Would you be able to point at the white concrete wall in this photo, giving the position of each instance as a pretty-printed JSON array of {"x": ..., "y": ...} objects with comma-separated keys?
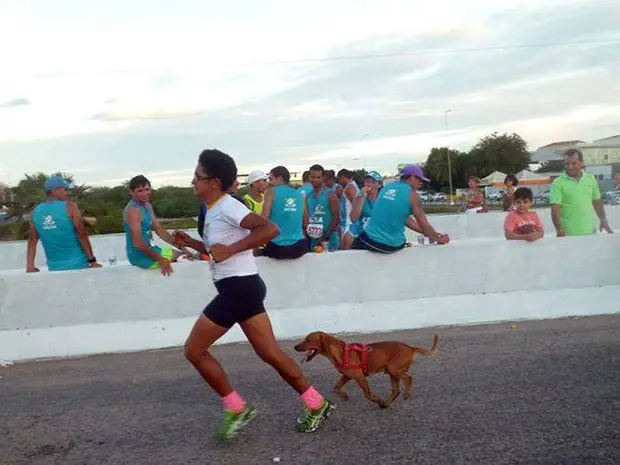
[
  {"x": 463, "y": 226},
  {"x": 123, "y": 308}
]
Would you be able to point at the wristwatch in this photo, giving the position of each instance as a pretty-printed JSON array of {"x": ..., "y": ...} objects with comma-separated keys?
[{"x": 92, "y": 260}]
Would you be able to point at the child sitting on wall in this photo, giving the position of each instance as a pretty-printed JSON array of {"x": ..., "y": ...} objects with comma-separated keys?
[{"x": 521, "y": 224}]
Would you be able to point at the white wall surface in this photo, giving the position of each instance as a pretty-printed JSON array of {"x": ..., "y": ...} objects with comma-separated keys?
[
  {"x": 463, "y": 226},
  {"x": 123, "y": 308}
]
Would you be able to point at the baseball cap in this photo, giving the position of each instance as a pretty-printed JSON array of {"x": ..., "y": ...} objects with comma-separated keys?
[
  {"x": 257, "y": 175},
  {"x": 414, "y": 170},
  {"x": 374, "y": 175},
  {"x": 56, "y": 182}
]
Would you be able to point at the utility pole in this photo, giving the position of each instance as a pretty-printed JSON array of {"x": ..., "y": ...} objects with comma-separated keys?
[{"x": 445, "y": 114}]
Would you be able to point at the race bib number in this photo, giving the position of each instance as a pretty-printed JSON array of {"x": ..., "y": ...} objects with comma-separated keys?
[{"x": 315, "y": 231}]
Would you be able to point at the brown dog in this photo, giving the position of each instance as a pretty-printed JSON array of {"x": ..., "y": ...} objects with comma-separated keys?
[{"x": 358, "y": 361}]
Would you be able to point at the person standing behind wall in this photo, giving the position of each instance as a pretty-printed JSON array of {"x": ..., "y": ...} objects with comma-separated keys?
[
  {"x": 285, "y": 206},
  {"x": 60, "y": 226},
  {"x": 574, "y": 198}
]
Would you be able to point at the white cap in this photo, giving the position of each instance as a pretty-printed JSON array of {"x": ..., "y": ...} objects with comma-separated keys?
[{"x": 257, "y": 175}]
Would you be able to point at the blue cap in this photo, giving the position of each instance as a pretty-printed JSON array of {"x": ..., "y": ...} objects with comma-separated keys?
[
  {"x": 56, "y": 182},
  {"x": 374, "y": 175},
  {"x": 414, "y": 170}
]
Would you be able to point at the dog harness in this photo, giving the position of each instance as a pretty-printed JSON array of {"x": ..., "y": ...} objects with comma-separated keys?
[{"x": 362, "y": 350}]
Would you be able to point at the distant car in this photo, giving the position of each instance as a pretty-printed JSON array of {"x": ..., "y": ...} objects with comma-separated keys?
[
  {"x": 440, "y": 197},
  {"x": 425, "y": 196},
  {"x": 612, "y": 197}
]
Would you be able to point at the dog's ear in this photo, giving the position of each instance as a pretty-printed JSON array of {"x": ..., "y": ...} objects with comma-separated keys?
[{"x": 331, "y": 348}]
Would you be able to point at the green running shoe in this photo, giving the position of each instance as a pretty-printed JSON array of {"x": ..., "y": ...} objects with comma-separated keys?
[
  {"x": 235, "y": 422},
  {"x": 315, "y": 418}
]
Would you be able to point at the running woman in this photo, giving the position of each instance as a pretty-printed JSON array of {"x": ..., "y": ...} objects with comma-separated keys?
[{"x": 230, "y": 234}]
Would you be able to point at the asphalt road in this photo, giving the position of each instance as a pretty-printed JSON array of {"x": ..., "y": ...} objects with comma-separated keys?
[{"x": 544, "y": 392}]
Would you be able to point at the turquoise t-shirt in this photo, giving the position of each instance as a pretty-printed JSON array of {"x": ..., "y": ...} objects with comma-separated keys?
[
  {"x": 287, "y": 212},
  {"x": 58, "y": 237},
  {"x": 135, "y": 256},
  {"x": 389, "y": 215}
]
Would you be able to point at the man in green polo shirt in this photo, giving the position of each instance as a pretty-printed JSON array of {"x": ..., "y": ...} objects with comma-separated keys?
[{"x": 575, "y": 196}]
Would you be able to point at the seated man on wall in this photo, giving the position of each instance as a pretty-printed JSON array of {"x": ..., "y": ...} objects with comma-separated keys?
[
  {"x": 139, "y": 221},
  {"x": 255, "y": 199},
  {"x": 397, "y": 201},
  {"x": 323, "y": 212},
  {"x": 60, "y": 226},
  {"x": 285, "y": 206}
]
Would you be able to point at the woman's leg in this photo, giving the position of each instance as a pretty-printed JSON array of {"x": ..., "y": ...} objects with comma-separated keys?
[
  {"x": 204, "y": 333},
  {"x": 237, "y": 413},
  {"x": 259, "y": 332}
]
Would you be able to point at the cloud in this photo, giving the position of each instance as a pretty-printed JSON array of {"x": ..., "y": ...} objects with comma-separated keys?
[
  {"x": 18, "y": 102},
  {"x": 377, "y": 96}
]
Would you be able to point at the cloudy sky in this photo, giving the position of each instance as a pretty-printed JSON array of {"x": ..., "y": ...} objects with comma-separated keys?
[{"x": 108, "y": 89}]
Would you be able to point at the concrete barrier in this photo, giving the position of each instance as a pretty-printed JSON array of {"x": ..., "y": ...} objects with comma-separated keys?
[
  {"x": 122, "y": 308},
  {"x": 462, "y": 226}
]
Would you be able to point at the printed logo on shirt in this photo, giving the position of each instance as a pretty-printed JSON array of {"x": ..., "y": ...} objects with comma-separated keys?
[
  {"x": 49, "y": 222},
  {"x": 319, "y": 210},
  {"x": 290, "y": 204},
  {"x": 390, "y": 194}
]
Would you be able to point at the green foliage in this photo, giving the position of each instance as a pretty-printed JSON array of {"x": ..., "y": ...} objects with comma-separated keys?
[
  {"x": 437, "y": 165},
  {"x": 496, "y": 152},
  {"x": 103, "y": 204}
]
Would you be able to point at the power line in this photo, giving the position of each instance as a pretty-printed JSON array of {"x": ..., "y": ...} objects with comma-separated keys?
[{"x": 375, "y": 56}]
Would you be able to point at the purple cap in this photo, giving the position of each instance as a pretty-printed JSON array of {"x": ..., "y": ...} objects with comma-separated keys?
[{"x": 414, "y": 170}]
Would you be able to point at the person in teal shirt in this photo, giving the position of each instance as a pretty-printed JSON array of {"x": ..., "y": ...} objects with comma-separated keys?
[
  {"x": 323, "y": 212},
  {"x": 306, "y": 186},
  {"x": 139, "y": 222},
  {"x": 285, "y": 206},
  {"x": 391, "y": 214},
  {"x": 59, "y": 225},
  {"x": 364, "y": 203}
]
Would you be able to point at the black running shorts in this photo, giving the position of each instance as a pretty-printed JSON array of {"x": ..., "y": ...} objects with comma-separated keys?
[
  {"x": 239, "y": 298},
  {"x": 283, "y": 252},
  {"x": 363, "y": 242}
]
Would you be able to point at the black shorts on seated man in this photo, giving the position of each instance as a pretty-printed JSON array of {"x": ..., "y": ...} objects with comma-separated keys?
[{"x": 285, "y": 207}]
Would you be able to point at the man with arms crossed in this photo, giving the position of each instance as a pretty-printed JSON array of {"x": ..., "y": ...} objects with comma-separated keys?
[{"x": 573, "y": 198}]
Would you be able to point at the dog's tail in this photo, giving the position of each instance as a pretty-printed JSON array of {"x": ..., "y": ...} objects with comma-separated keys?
[{"x": 428, "y": 352}]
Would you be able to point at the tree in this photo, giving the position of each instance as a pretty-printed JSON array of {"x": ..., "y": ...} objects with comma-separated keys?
[
  {"x": 436, "y": 167},
  {"x": 500, "y": 152}
]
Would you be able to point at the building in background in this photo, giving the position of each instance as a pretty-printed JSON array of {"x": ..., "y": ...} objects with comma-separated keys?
[{"x": 598, "y": 152}]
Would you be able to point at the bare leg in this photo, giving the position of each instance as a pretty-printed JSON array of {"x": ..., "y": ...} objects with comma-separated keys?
[
  {"x": 203, "y": 335},
  {"x": 340, "y": 384},
  {"x": 347, "y": 241},
  {"x": 259, "y": 332},
  {"x": 371, "y": 396}
]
